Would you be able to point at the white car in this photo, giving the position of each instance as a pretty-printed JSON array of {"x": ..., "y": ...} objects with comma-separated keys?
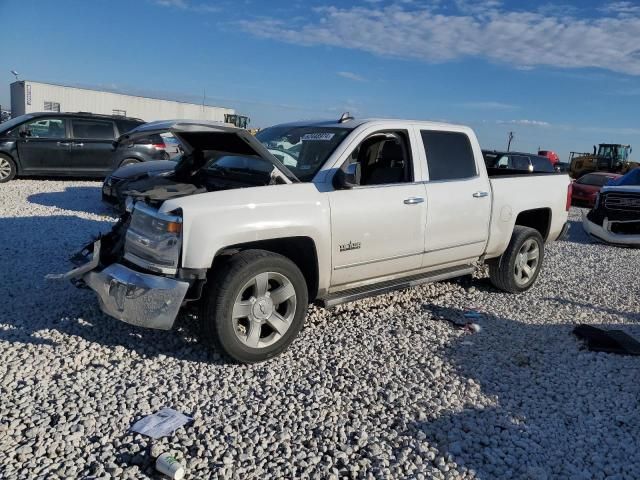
[
  {"x": 615, "y": 218},
  {"x": 369, "y": 206}
]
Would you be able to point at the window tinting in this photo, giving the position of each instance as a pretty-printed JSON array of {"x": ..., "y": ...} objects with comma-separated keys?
[
  {"x": 125, "y": 126},
  {"x": 542, "y": 164},
  {"x": 520, "y": 162},
  {"x": 92, "y": 129},
  {"x": 46, "y": 128},
  {"x": 449, "y": 155}
]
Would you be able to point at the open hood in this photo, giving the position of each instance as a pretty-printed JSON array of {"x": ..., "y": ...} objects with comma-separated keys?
[{"x": 199, "y": 135}]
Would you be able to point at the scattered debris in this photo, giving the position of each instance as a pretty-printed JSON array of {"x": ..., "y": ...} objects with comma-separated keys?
[
  {"x": 170, "y": 466},
  {"x": 161, "y": 423},
  {"x": 465, "y": 320},
  {"x": 609, "y": 341}
]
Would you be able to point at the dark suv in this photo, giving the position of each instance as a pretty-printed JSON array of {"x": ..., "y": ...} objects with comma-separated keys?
[
  {"x": 522, "y": 162},
  {"x": 65, "y": 144}
]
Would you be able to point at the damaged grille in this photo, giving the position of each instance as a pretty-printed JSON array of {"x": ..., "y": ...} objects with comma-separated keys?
[{"x": 627, "y": 202}]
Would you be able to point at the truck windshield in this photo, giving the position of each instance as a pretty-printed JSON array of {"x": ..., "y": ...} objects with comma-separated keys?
[{"x": 302, "y": 149}]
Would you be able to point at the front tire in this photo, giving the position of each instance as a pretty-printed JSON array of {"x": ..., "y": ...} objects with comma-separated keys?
[
  {"x": 7, "y": 169},
  {"x": 254, "y": 306},
  {"x": 519, "y": 266}
]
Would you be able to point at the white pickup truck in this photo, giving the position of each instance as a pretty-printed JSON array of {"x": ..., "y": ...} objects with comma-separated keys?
[{"x": 254, "y": 229}]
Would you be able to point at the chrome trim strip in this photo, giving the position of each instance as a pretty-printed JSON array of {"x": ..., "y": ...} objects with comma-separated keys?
[
  {"x": 455, "y": 246},
  {"x": 367, "y": 262},
  {"x": 397, "y": 257}
]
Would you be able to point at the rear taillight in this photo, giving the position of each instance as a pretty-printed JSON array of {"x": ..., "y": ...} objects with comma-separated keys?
[
  {"x": 158, "y": 146},
  {"x": 569, "y": 193}
]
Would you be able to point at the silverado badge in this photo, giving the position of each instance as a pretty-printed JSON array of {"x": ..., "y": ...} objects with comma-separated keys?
[{"x": 345, "y": 247}]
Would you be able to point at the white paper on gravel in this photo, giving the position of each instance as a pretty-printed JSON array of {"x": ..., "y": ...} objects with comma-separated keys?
[{"x": 161, "y": 424}]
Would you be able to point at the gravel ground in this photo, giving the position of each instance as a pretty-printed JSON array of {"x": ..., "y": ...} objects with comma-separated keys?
[{"x": 383, "y": 388}]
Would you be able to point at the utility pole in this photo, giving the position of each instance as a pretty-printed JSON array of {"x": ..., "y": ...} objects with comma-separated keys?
[{"x": 510, "y": 139}]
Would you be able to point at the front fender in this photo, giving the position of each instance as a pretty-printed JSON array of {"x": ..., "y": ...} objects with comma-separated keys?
[{"x": 215, "y": 220}]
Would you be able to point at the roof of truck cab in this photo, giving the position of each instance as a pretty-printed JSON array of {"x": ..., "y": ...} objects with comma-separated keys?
[{"x": 356, "y": 122}]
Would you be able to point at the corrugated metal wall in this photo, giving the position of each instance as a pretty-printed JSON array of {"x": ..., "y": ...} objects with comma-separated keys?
[{"x": 71, "y": 99}]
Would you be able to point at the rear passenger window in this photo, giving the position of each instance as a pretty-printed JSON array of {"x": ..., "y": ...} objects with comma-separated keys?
[
  {"x": 449, "y": 155},
  {"x": 520, "y": 162},
  {"x": 542, "y": 164},
  {"x": 92, "y": 129}
]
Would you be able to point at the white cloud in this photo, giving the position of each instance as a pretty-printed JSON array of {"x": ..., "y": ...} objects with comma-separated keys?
[
  {"x": 351, "y": 76},
  {"x": 525, "y": 123},
  {"x": 622, "y": 8},
  {"x": 522, "y": 39},
  {"x": 186, "y": 5},
  {"x": 488, "y": 106}
]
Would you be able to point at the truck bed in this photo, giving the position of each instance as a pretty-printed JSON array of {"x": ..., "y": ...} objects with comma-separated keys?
[
  {"x": 512, "y": 172},
  {"x": 522, "y": 192}
]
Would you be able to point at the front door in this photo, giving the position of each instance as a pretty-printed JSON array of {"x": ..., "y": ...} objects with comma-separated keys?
[
  {"x": 92, "y": 148},
  {"x": 459, "y": 199},
  {"x": 378, "y": 228},
  {"x": 44, "y": 146}
]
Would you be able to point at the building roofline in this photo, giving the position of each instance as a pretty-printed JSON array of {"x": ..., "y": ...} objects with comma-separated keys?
[{"x": 96, "y": 89}]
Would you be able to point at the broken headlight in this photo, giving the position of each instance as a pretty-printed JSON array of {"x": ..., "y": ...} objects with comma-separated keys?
[{"x": 154, "y": 239}]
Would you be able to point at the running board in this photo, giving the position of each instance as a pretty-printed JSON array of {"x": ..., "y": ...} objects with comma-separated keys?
[{"x": 355, "y": 294}]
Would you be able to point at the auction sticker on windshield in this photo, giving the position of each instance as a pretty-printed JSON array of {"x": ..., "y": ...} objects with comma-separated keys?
[{"x": 317, "y": 136}]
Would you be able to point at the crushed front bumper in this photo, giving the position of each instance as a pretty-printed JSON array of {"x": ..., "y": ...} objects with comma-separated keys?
[
  {"x": 137, "y": 298},
  {"x": 603, "y": 233}
]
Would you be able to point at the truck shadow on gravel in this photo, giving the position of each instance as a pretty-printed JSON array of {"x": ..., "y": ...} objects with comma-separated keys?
[
  {"x": 543, "y": 407},
  {"x": 577, "y": 234},
  {"x": 77, "y": 199}
]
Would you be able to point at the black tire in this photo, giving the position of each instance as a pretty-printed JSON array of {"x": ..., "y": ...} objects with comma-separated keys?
[
  {"x": 7, "y": 169},
  {"x": 129, "y": 161},
  {"x": 226, "y": 284},
  {"x": 502, "y": 271}
]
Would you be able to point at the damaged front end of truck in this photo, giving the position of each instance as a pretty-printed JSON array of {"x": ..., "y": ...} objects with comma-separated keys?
[{"x": 134, "y": 269}]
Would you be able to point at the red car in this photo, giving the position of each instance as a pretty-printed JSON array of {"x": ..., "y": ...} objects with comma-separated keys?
[{"x": 587, "y": 187}]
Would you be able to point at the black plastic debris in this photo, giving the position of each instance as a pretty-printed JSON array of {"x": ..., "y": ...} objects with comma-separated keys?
[{"x": 609, "y": 341}]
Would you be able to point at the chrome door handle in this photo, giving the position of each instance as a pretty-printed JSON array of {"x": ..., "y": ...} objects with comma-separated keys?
[
  {"x": 78, "y": 144},
  {"x": 63, "y": 144},
  {"x": 480, "y": 194},
  {"x": 413, "y": 200}
]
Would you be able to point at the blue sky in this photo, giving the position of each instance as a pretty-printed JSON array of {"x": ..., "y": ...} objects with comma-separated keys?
[{"x": 561, "y": 76}]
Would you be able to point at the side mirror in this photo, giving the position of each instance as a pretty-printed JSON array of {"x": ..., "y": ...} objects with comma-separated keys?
[
  {"x": 26, "y": 132},
  {"x": 349, "y": 178}
]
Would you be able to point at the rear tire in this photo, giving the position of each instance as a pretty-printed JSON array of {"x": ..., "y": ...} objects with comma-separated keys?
[
  {"x": 7, "y": 169},
  {"x": 254, "y": 306},
  {"x": 519, "y": 266},
  {"x": 129, "y": 161}
]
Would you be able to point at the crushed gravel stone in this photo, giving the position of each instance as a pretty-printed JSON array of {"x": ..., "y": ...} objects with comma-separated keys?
[{"x": 381, "y": 388}]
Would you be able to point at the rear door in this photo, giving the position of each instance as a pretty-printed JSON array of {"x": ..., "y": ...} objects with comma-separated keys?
[
  {"x": 44, "y": 145},
  {"x": 92, "y": 147},
  {"x": 458, "y": 198}
]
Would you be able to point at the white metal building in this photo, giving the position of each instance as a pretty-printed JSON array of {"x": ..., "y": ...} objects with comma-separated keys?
[{"x": 28, "y": 96}]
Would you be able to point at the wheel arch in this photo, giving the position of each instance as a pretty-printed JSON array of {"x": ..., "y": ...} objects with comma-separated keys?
[
  {"x": 301, "y": 250},
  {"x": 538, "y": 218}
]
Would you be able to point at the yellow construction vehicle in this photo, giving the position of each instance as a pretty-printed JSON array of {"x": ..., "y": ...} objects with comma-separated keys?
[{"x": 608, "y": 157}]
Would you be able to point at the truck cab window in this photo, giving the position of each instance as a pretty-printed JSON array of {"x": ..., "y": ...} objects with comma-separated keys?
[
  {"x": 384, "y": 159},
  {"x": 449, "y": 155}
]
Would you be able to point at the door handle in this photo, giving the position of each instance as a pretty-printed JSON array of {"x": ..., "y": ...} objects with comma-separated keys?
[
  {"x": 78, "y": 144},
  {"x": 63, "y": 144},
  {"x": 480, "y": 194},
  {"x": 413, "y": 200}
]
